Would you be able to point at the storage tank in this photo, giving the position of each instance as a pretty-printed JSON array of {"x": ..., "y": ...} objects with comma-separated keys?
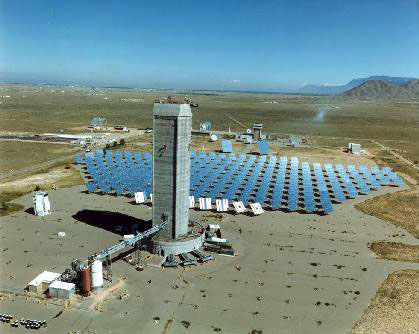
[
  {"x": 97, "y": 274},
  {"x": 213, "y": 138},
  {"x": 86, "y": 281}
]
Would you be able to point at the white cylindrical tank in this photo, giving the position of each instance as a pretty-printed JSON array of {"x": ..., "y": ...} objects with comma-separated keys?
[
  {"x": 213, "y": 137},
  {"x": 97, "y": 274}
]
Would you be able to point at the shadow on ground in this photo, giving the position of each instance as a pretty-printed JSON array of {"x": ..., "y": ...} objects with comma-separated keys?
[
  {"x": 30, "y": 211},
  {"x": 110, "y": 220}
]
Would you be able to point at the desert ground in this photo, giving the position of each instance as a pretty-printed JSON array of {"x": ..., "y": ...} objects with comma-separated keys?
[
  {"x": 294, "y": 273},
  {"x": 327, "y": 121}
]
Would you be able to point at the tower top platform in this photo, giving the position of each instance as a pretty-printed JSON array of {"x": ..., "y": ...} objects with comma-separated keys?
[{"x": 172, "y": 110}]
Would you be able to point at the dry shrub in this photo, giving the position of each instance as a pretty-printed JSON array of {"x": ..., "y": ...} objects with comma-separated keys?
[
  {"x": 395, "y": 251},
  {"x": 394, "y": 308},
  {"x": 400, "y": 208}
]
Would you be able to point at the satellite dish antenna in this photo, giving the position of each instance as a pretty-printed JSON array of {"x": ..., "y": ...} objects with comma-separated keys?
[
  {"x": 205, "y": 126},
  {"x": 249, "y": 131}
]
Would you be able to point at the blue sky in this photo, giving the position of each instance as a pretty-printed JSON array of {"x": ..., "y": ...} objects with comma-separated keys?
[{"x": 214, "y": 44}]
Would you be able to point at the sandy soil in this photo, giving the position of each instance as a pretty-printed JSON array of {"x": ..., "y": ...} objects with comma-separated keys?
[
  {"x": 102, "y": 295},
  {"x": 299, "y": 273},
  {"x": 395, "y": 308},
  {"x": 43, "y": 178},
  {"x": 395, "y": 251},
  {"x": 400, "y": 208}
]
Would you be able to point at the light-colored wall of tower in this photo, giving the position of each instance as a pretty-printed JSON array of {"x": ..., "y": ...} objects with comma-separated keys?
[{"x": 172, "y": 124}]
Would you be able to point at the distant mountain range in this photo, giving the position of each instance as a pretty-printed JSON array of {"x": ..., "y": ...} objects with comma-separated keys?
[
  {"x": 333, "y": 90},
  {"x": 381, "y": 90}
]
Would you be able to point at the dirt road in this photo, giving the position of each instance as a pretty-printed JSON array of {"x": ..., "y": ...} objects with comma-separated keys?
[
  {"x": 5, "y": 176},
  {"x": 398, "y": 156}
]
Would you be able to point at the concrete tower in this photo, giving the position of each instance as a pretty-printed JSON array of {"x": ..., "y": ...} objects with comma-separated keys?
[
  {"x": 172, "y": 125},
  {"x": 257, "y": 131}
]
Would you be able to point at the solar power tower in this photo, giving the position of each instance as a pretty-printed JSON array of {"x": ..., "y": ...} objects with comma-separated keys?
[{"x": 172, "y": 124}]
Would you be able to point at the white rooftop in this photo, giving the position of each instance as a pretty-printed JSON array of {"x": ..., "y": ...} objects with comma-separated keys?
[
  {"x": 215, "y": 239},
  {"x": 46, "y": 276},
  {"x": 68, "y": 136},
  {"x": 62, "y": 285},
  {"x": 215, "y": 226}
]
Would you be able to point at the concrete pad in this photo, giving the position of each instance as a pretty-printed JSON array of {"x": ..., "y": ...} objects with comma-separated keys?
[{"x": 295, "y": 273}]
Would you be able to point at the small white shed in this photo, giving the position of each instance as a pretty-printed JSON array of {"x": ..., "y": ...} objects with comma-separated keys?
[
  {"x": 61, "y": 290},
  {"x": 354, "y": 148}
]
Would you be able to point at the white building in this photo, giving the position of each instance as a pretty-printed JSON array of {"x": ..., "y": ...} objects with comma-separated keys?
[
  {"x": 41, "y": 282},
  {"x": 354, "y": 148},
  {"x": 62, "y": 290}
]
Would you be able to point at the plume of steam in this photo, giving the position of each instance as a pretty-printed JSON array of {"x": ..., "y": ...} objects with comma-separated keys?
[{"x": 321, "y": 113}]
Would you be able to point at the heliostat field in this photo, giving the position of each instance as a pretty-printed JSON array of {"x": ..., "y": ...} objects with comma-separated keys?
[{"x": 274, "y": 182}]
